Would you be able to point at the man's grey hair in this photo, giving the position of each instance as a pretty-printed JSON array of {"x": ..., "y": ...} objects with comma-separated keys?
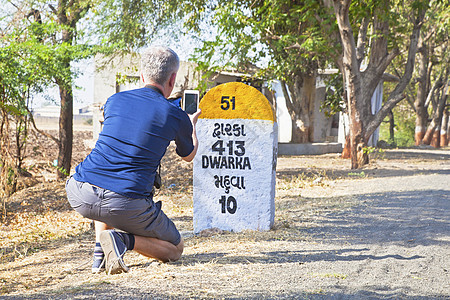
[{"x": 158, "y": 63}]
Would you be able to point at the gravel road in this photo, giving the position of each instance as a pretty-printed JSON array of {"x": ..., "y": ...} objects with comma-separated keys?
[{"x": 378, "y": 233}]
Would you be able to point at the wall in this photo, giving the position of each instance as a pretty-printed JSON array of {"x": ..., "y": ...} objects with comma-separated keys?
[{"x": 323, "y": 131}]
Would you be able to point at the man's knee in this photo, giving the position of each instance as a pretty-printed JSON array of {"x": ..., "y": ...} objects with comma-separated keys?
[{"x": 179, "y": 251}]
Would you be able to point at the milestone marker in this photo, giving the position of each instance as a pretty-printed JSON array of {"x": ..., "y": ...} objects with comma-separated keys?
[{"x": 234, "y": 169}]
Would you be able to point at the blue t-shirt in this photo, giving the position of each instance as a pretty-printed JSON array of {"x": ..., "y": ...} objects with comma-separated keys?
[{"x": 138, "y": 127}]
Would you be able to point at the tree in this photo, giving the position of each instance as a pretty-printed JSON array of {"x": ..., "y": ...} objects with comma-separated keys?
[
  {"x": 432, "y": 134},
  {"x": 432, "y": 75},
  {"x": 68, "y": 13},
  {"x": 22, "y": 72},
  {"x": 288, "y": 33},
  {"x": 386, "y": 19},
  {"x": 75, "y": 29},
  {"x": 52, "y": 37}
]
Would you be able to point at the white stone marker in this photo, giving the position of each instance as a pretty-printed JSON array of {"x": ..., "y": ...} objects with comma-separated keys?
[{"x": 234, "y": 169}]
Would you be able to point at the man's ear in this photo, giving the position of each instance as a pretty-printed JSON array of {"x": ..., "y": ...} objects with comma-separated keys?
[
  {"x": 172, "y": 80},
  {"x": 142, "y": 78}
]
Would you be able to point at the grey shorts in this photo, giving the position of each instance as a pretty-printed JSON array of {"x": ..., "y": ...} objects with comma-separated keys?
[{"x": 136, "y": 216}]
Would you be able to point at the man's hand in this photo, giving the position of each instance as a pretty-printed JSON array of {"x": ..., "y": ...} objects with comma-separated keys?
[{"x": 194, "y": 118}]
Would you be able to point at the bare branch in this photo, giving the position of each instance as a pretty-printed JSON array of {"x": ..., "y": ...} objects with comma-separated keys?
[
  {"x": 410, "y": 103},
  {"x": 437, "y": 84},
  {"x": 362, "y": 40},
  {"x": 41, "y": 131},
  {"x": 270, "y": 36},
  {"x": 390, "y": 78},
  {"x": 398, "y": 93},
  {"x": 52, "y": 8},
  {"x": 295, "y": 46},
  {"x": 386, "y": 61},
  {"x": 289, "y": 104}
]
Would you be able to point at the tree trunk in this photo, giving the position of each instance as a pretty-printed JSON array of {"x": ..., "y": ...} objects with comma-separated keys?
[
  {"x": 448, "y": 130},
  {"x": 66, "y": 97},
  {"x": 419, "y": 104},
  {"x": 300, "y": 132},
  {"x": 432, "y": 135},
  {"x": 391, "y": 128},
  {"x": 8, "y": 172},
  {"x": 435, "y": 140},
  {"x": 428, "y": 137},
  {"x": 353, "y": 81},
  {"x": 65, "y": 132},
  {"x": 300, "y": 105},
  {"x": 308, "y": 98},
  {"x": 359, "y": 157},
  {"x": 346, "y": 152}
]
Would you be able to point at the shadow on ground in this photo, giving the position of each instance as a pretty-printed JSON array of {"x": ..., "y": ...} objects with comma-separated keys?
[
  {"x": 299, "y": 256},
  {"x": 105, "y": 290},
  {"x": 408, "y": 218}
]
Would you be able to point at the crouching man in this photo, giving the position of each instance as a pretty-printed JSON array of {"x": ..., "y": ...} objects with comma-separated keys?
[{"x": 113, "y": 185}]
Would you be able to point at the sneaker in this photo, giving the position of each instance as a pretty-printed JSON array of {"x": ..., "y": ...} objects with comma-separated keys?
[
  {"x": 114, "y": 249},
  {"x": 98, "y": 265}
]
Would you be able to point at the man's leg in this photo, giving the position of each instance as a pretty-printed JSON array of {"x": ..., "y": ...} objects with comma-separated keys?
[
  {"x": 159, "y": 249},
  {"x": 99, "y": 227},
  {"x": 98, "y": 264},
  {"x": 115, "y": 244}
]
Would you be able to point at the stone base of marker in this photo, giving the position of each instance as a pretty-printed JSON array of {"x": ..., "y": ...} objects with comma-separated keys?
[{"x": 234, "y": 170}]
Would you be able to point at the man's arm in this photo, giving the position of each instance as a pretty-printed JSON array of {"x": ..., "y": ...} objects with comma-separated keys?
[{"x": 194, "y": 118}]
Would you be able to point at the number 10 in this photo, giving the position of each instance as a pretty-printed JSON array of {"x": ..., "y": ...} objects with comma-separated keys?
[{"x": 229, "y": 204}]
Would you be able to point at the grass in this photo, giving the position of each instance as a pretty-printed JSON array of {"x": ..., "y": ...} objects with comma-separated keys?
[
  {"x": 45, "y": 224},
  {"x": 33, "y": 224},
  {"x": 356, "y": 174},
  {"x": 302, "y": 180}
]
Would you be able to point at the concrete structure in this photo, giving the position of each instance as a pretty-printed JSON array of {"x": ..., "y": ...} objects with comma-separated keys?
[
  {"x": 50, "y": 114},
  {"x": 309, "y": 149},
  {"x": 234, "y": 169}
]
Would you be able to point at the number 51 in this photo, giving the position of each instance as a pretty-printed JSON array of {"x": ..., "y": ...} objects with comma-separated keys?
[{"x": 225, "y": 101}]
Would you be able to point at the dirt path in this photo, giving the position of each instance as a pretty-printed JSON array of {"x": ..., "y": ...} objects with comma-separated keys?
[{"x": 380, "y": 232}]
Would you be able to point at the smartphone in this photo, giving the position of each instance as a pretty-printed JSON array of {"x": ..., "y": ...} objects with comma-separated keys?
[{"x": 190, "y": 101}]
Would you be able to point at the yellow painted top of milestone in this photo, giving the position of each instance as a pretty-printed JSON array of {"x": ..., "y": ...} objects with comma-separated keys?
[{"x": 235, "y": 100}]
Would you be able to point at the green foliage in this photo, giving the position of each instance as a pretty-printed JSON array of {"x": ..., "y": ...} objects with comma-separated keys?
[
  {"x": 62, "y": 170},
  {"x": 283, "y": 38},
  {"x": 368, "y": 150},
  {"x": 334, "y": 101},
  {"x": 32, "y": 57},
  {"x": 404, "y": 127},
  {"x": 18, "y": 76},
  {"x": 127, "y": 25}
]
